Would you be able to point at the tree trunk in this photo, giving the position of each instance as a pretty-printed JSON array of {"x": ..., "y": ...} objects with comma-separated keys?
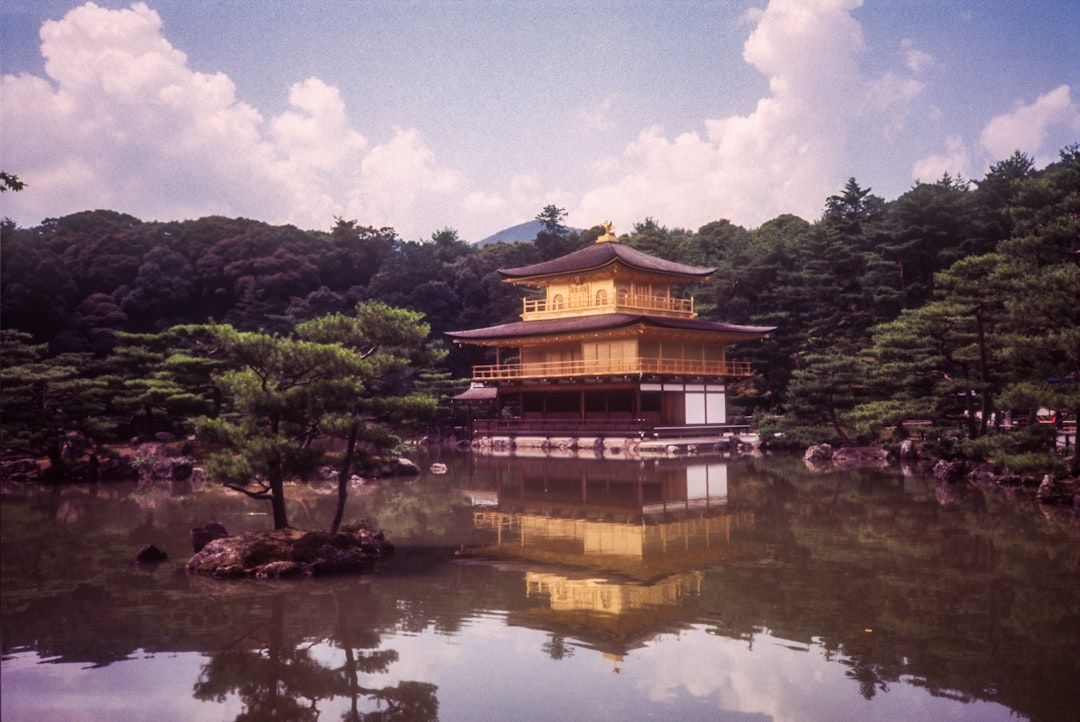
[
  {"x": 984, "y": 373},
  {"x": 834, "y": 418},
  {"x": 277, "y": 496},
  {"x": 343, "y": 477},
  {"x": 277, "y": 503},
  {"x": 277, "y": 484}
]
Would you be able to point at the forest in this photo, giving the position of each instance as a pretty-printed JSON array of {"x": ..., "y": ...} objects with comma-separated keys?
[{"x": 953, "y": 310}]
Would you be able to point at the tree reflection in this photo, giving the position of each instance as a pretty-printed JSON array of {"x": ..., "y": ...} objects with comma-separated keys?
[
  {"x": 557, "y": 648},
  {"x": 868, "y": 677},
  {"x": 278, "y": 679},
  {"x": 405, "y": 701}
]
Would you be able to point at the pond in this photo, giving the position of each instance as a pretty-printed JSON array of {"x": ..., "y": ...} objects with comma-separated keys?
[{"x": 556, "y": 589}]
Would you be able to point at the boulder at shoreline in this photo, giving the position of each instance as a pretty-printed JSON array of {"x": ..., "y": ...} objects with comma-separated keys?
[{"x": 285, "y": 553}]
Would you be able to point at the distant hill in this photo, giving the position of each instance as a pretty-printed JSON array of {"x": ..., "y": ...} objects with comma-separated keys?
[
  {"x": 521, "y": 233},
  {"x": 514, "y": 234}
]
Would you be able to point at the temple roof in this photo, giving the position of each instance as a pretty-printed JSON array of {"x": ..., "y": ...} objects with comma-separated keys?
[
  {"x": 602, "y": 254},
  {"x": 603, "y": 322}
]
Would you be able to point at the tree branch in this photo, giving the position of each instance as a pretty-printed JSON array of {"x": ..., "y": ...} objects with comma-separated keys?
[{"x": 265, "y": 493}]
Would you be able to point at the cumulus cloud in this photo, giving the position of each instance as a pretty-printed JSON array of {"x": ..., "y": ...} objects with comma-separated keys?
[
  {"x": 955, "y": 161},
  {"x": 123, "y": 122},
  {"x": 1027, "y": 127},
  {"x": 784, "y": 157}
]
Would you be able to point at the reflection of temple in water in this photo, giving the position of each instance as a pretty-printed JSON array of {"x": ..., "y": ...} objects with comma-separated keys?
[{"x": 611, "y": 549}]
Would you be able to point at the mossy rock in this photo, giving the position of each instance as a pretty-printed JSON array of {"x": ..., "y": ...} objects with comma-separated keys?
[{"x": 284, "y": 553}]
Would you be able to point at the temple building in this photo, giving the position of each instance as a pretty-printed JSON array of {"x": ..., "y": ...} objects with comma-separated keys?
[{"x": 606, "y": 348}]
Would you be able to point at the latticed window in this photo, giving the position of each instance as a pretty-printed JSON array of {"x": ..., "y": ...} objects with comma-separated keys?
[
  {"x": 601, "y": 297},
  {"x": 579, "y": 295},
  {"x": 557, "y": 302}
]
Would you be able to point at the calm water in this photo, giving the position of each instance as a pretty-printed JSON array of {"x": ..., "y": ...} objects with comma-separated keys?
[{"x": 557, "y": 590}]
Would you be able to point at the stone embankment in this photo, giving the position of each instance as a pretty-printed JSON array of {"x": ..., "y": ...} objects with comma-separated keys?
[{"x": 1050, "y": 491}]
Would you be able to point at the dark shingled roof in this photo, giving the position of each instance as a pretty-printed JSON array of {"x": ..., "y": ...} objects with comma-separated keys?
[
  {"x": 601, "y": 254},
  {"x": 603, "y": 322}
]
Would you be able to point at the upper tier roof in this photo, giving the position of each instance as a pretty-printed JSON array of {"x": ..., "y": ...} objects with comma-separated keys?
[
  {"x": 603, "y": 322},
  {"x": 598, "y": 255}
]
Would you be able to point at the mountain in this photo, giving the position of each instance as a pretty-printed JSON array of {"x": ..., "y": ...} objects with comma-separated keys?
[{"x": 514, "y": 234}]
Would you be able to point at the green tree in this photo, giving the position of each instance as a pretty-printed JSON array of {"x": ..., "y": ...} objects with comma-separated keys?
[
  {"x": 994, "y": 195},
  {"x": 928, "y": 229},
  {"x": 850, "y": 210},
  {"x": 51, "y": 405},
  {"x": 384, "y": 341},
  {"x": 164, "y": 381},
  {"x": 656, "y": 240},
  {"x": 942, "y": 361},
  {"x": 290, "y": 393},
  {"x": 1040, "y": 276},
  {"x": 555, "y": 239},
  {"x": 821, "y": 394},
  {"x": 10, "y": 182}
]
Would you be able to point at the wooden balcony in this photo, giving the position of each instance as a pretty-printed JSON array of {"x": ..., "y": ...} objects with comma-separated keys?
[
  {"x": 623, "y": 367},
  {"x": 538, "y": 308}
]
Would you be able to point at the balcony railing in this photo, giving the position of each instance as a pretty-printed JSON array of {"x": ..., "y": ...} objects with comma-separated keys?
[
  {"x": 620, "y": 367},
  {"x": 543, "y": 308}
]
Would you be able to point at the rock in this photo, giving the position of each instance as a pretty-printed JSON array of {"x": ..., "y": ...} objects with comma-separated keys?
[
  {"x": 949, "y": 472},
  {"x": 150, "y": 554},
  {"x": 1055, "y": 492},
  {"x": 280, "y": 570},
  {"x": 206, "y": 533},
  {"x": 284, "y": 553},
  {"x": 982, "y": 474},
  {"x": 181, "y": 468},
  {"x": 407, "y": 467},
  {"x": 908, "y": 451},
  {"x": 818, "y": 453}
]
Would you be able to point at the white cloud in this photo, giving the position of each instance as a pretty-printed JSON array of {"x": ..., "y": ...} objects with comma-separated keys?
[
  {"x": 891, "y": 97},
  {"x": 955, "y": 161},
  {"x": 598, "y": 117},
  {"x": 784, "y": 157},
  {"x": 317, "y": 132},
  {"x": 1027, "y": 127},
  {"x": 524, "y": 183},
  {"x": 122, "y": 122},
  {"x": 397, "y": 175},
  {"x": 484, "y": 203},
  {"x": 916, "y": 60}
]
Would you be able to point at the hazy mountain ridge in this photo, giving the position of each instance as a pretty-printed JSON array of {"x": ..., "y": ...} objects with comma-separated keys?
[{"x": 520, "y": 233}]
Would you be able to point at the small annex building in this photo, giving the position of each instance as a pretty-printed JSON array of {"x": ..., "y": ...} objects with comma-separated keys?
[{"x": 606, "y": 348}]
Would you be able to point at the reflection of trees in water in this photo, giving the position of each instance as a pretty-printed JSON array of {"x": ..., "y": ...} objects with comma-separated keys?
[
  {"x": 868, "y": 677},
  {"x": 279, "y": 680},
  {"x": 557, "y": 648}
]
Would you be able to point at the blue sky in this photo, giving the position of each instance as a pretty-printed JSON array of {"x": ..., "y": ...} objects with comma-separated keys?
[{"x": 475, "y": 115}]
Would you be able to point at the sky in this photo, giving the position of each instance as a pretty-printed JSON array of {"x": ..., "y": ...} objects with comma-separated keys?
[{"x": 474, "y": 115}]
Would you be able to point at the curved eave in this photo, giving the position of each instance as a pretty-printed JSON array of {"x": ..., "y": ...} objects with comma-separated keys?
[
  {"x": 602, "y": 255},
  {"x": 520, "y": 331}
]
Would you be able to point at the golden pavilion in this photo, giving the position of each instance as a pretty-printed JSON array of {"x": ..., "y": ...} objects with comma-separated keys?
[{"x": 607, "y": 349}]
